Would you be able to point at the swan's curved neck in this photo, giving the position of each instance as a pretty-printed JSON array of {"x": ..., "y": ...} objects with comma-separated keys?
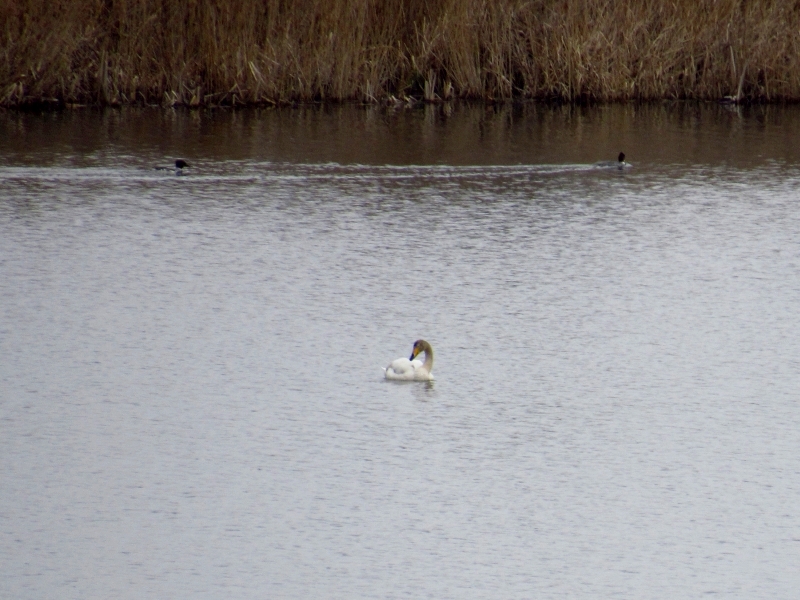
[{"x": 428, "y": 364}]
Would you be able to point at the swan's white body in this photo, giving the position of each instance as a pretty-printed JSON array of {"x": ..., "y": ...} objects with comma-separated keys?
[
  {"x": 412, "y": 369},
  {"x": 402, "y": 369}
]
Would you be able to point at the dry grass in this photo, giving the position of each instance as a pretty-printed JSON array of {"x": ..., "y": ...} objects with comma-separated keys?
[{"x": 201, "y": 52}]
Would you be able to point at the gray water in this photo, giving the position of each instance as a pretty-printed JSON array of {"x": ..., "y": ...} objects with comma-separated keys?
[{"x": 191, "y": 394}]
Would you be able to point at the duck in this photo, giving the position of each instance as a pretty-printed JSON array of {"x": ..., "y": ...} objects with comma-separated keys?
[
  {"x": 614, "y": 164},
  {"x": 412, "y": 369},
  {"x": 177, "y": 169}
]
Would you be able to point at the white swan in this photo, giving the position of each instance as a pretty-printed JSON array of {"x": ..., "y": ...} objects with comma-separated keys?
[
  {"x": 409, "y": 369},
  {"x": 614, "y": 164}
]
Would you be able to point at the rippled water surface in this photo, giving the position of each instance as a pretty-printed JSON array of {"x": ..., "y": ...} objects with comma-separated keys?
[{"x": 191, "y": 394}]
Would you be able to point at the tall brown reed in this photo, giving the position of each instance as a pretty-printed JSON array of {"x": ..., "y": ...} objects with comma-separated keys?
[{"x": 199, "y": 52}]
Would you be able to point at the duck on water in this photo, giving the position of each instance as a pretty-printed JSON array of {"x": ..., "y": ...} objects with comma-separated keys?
[
  {"x": 180, "y": 164},
  {"x": 614, "y": 164}
]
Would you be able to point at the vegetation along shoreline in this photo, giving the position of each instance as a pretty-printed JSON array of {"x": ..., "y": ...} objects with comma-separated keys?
[{"x": 230, "y": 53}]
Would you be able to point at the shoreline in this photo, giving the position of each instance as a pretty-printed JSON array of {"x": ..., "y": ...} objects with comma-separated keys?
[
  {"x": 31, "y": 105},
  {"x": 146, "y": 52}
]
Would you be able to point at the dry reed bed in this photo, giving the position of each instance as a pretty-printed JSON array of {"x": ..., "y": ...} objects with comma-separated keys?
[{"x": 205, "y": 52}]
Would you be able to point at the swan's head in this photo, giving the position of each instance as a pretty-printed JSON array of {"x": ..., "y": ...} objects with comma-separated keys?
[
  {"x": 180, "y": 163},
  {"x": 420, "y": 346},
  {"x": 621, "y": 157}
]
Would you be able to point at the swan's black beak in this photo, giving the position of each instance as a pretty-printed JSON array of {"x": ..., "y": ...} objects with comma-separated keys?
[{"x": 414, "y": 353}]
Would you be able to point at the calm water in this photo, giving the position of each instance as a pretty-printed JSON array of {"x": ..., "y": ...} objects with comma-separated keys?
[{"x": 191, "y": 395}]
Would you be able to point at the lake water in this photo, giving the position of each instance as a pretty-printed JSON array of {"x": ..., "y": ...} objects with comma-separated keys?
[{"x": 191, "y": 394}]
